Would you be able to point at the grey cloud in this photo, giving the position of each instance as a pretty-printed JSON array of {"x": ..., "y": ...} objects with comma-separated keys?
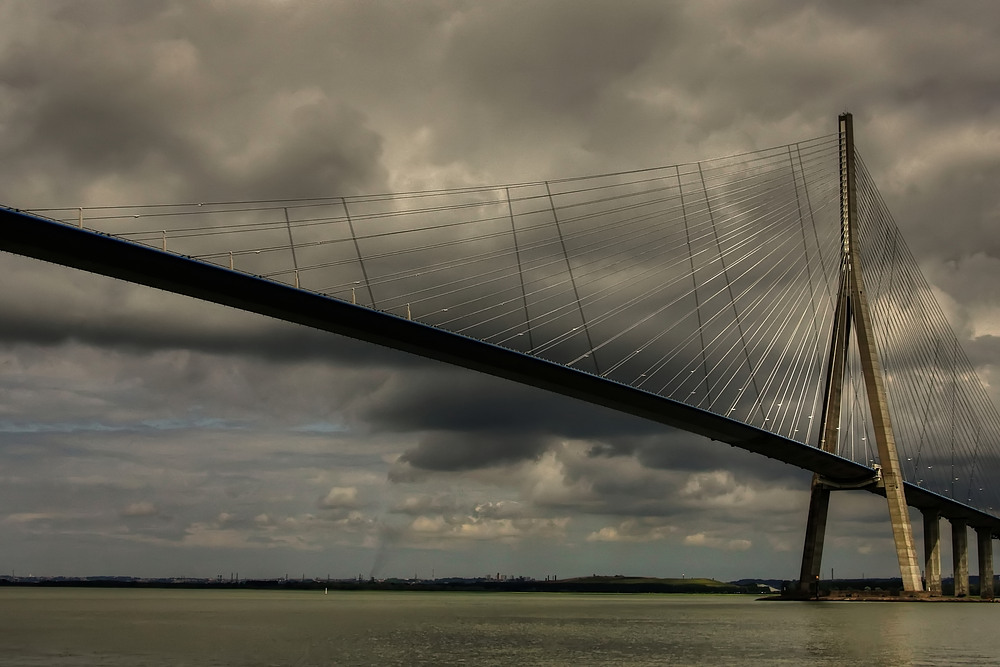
[
  {"x": 340, "y": 498},
  {"x": 983, "y": 350},
  {"x": 680, "y": 451},
  {"x": 139, "y": 106},
  {"x": 558, "y": 57},
  {"x": 470, "y": 421},
  {"x": 955, "y": 192},
  {"x": 443, "y": 398},
  {"x": 466, "y": 451},
  {"x": 416, "y": 505},
  {"x": 623, "y": 486},
  {"x": 159, "y": 101}
]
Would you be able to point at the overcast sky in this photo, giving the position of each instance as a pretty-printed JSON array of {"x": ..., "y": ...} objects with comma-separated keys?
[{"x": 144, "y": 433}]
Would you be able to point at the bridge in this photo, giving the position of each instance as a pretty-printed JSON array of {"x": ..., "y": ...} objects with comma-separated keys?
[{"x": 766, "y": 300}]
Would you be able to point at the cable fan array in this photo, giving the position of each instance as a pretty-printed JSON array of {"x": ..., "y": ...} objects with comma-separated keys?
[
  {"x": 947, "y": 428},
  {"x": 711, "y": 283}
]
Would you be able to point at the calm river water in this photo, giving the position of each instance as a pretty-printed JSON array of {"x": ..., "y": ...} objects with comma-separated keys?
[{"x": 176, "y": 627}]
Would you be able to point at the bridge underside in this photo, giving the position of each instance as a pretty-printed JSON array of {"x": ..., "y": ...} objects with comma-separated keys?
[{"x": 77, "y": 248}]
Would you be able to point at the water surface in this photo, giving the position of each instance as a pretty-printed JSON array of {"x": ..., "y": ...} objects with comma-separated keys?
[{"x": 220, "y": 628}]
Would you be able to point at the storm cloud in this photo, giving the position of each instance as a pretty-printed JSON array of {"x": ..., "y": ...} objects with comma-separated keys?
[{"x": 147, "y": 433}]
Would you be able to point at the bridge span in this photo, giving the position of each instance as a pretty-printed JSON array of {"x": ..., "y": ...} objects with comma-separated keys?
[
  {"x": 700, "y": 297},
  {"x": 55, "y": 242}
]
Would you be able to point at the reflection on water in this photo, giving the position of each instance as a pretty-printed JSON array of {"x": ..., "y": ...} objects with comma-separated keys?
[{"x": 174, "y": 627}]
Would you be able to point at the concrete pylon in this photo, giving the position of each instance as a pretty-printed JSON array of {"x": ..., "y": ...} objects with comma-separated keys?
[
  {"x": 985, "y": 539},
  {"x": 819, "y": 498},
  {"x": 852, "y": 308},
  {"x": 812, "y": 550},
  {"x": 932, "y": 552},
  {"x": 960, "y": 556}
]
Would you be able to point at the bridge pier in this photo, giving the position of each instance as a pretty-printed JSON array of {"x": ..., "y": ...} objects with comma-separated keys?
[
  {"x": 812, "y": 550},
  {"x": 932, "y": 552},
  {"x": 985, "y": 538},
  {"x": 960, "y": 556}
]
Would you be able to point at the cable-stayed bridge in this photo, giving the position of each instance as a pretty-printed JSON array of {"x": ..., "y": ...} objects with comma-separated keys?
[{"x": 706, "y": 296}]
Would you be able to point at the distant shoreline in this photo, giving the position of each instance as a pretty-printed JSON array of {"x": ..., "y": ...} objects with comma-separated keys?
[
  {"x": 576, "y": 585},
  {"x": 846, "y": 589}
]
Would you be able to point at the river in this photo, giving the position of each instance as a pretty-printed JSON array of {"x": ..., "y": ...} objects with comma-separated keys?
[{"x": 157, "y": 627}]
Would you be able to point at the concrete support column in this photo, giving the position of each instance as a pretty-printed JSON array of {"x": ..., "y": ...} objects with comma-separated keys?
[
  {"x": 985, "y": 539},
  {"x": 932, "y": 552},
  {"x": 812, "y": 550},
  {"x": 960, "y": 556}
]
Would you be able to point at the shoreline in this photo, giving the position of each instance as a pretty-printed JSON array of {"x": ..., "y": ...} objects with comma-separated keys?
[{"x": 880, "y": 598}]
